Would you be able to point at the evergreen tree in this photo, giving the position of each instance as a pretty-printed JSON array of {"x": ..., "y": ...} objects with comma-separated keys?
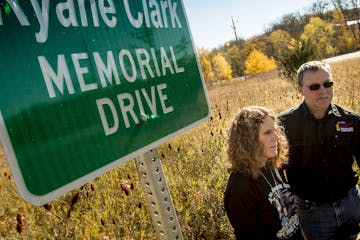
[{"x": 297, "y": 53}]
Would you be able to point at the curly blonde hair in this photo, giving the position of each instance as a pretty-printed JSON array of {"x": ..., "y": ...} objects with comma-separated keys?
[{"x": 244, "y": 150}]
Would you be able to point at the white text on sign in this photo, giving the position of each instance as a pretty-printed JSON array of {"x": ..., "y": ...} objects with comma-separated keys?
[{"x": 154, "y": 14}]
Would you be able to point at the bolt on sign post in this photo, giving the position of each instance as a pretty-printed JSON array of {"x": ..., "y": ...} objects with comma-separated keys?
[{"x": 88, "y": 85}]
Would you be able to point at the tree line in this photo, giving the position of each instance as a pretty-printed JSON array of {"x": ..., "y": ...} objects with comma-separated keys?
[{"x": 328, "y": 28}]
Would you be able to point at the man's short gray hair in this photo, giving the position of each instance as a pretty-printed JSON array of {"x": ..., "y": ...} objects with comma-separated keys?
[{"x": 312, "y": 66}]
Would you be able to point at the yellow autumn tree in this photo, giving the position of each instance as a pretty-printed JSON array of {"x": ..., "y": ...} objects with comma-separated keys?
[
  {"x": 320, "y": 34},
  {"x": 254, "y": 43},
  {"x": 280, "y": 39},
  {"x": 205, "y": 63},
  {"x": 343, "y": 37},
  {"x": 258, "y": 62},
  {"x": 221, "y": 67}
]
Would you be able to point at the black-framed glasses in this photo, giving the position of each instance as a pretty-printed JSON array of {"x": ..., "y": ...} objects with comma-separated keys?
[{"x": 316, "y": 86}]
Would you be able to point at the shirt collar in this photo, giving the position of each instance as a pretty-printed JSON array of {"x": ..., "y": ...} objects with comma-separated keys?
[{"x": 333, "y": 110}]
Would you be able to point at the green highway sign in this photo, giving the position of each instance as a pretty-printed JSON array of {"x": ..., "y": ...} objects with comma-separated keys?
[{"x": 88, "y": 85}]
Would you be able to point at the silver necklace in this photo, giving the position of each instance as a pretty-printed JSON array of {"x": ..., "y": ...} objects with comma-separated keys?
[
  {"x": 276, "y": 191},
  {"x": 268, "y": 182}
]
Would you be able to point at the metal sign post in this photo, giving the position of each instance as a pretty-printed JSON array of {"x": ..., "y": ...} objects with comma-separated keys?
[{"x": 161, "y": 207}]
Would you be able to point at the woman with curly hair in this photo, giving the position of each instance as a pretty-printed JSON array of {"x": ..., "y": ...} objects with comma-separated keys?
[{"x": 258, "y": 202}]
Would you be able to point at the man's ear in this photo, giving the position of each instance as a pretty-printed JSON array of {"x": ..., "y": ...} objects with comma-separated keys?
[{"x": 300, "y": 89}]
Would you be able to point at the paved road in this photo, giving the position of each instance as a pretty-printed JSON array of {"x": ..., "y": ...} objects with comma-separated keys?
[{"x": 343, "y": 57}]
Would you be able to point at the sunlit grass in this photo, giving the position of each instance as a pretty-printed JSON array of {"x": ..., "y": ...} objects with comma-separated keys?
[{"x": 113, "y": 206}]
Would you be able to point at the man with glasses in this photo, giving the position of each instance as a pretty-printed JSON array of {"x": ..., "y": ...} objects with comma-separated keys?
[{"x": 324, "y": 141}]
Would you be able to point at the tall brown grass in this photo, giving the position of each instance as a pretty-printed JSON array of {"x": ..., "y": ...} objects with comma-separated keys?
[{"x": 113, "y": 206}]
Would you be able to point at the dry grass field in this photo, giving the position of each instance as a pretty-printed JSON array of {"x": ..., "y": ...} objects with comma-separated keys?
[{"x": 193, "y": 164}]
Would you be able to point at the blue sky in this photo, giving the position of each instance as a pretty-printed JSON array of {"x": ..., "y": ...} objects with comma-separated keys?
[{"x": 210, "y": 20}]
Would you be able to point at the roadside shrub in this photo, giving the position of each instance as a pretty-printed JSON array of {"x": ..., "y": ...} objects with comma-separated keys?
[{"x": 290, "y": 60}]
